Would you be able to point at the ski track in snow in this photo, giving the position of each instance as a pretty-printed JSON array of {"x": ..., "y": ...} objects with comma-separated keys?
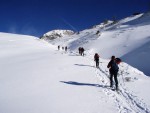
[
  {"x": 135, "y": 105},
  {"x": 125, "y": 101},
  {"x": 124, "y": 97}
]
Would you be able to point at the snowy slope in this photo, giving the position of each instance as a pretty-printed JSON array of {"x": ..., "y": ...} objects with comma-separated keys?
[
  {"x": 37, "y": 78},
  {"x": 122, "y": 39}
]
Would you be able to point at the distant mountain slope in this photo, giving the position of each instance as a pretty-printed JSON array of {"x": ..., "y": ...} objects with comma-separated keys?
[
  {"x": 119, "y": 39},
  {"x": 57, "y": 34}
]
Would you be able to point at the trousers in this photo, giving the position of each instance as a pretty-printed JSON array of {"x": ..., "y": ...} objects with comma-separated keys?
[{"x": 113, "y": 75}]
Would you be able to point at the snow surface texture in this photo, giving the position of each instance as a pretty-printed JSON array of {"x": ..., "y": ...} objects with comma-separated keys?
[
  {"x": 129, "y": 39},
  {"x": 37, "y": 78}
]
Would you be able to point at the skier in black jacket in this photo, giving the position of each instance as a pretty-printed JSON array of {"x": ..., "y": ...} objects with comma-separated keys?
[
  {"x": 113, "y": 69},
  {"x": 96, "y": 59},
  {"x": 58, "y": 47},
  {"x": 66, "y": 48}
]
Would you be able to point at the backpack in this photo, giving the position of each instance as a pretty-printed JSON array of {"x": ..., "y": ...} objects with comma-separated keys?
[
  {"x": 96, "y": 56},
  {"x": 118, "y": 60},
  {"x": 114, "y": 66}
]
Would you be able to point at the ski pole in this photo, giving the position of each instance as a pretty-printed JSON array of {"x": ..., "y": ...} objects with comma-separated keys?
[{"x": 123, "y": 79}]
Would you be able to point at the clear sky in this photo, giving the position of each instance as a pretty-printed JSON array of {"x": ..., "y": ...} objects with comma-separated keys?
[{"x": 36, "y": 17}]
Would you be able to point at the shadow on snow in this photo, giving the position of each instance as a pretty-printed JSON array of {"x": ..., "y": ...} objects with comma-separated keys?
[
  {"x": 83, "y": 65},
  {"x": 83, "y": 84}
]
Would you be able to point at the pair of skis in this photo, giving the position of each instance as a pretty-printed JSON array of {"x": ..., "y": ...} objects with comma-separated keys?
[
  {"x": 116, "y": 90},
  {"x": 112, "y": 88}
]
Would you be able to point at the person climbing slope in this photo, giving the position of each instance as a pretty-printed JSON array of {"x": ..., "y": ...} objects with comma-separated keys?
[
  {"x": 96, "y": 59},
  {"x": 113, "y": 69}
]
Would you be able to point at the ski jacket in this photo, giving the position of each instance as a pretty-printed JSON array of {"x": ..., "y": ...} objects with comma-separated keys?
[
  {"x": 113, "y": 66},
  {"x": 96, "y": 57}
]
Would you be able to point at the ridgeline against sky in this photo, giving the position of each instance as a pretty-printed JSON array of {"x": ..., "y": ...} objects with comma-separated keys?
[{"x": 36, "y": 17}]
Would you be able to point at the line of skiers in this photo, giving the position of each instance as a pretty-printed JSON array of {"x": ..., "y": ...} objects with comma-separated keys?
[
  {"x": 113, "y": 69},
  {"x": 112, "y": 65},
  {"x": 81, "y": 51},
  {"x": 63, "y": 48}
]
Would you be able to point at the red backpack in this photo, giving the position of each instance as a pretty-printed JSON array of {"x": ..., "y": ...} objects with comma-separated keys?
[
  {"x": 118, "y": 60},
  {"x": 96, "y": 56}
]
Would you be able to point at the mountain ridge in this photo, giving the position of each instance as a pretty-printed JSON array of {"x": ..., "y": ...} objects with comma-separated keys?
[
  {"x": 57, "y": 34},
  {"x": 115, "y": 38}
]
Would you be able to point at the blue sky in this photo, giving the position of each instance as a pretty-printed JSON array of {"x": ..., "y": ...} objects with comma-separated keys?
[{"x": 36, "y": 17}]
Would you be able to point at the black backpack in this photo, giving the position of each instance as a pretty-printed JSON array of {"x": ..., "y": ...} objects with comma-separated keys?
[{"x": 114, "y": 66}]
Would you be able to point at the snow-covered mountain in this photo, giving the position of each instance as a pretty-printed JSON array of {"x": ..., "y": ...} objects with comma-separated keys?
[
  {"x": 104, "y": 24},
  {"x": 128, "y": 38},
  {"x": 57, "y": 34},
  {"x": 37, "y": 78}
]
